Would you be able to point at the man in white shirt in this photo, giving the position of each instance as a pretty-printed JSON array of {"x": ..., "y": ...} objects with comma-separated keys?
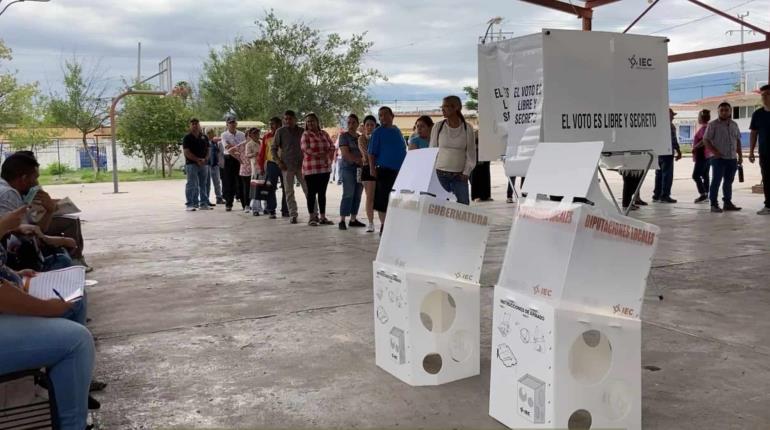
[{"x": 230, "y": 189}]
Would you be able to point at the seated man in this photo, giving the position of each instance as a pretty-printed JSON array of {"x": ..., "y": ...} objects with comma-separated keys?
[
  {"x": 19, "y": 175},
  {"x": 36, "y": 333}
]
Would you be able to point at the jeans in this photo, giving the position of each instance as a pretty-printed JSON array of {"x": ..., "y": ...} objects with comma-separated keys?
[
  {"x": 723, "y": 171},
  {"x": 316, "y": 192},
  {"x": 351, "y": 191},
  {"x": 231, "y": 180},
  {"x": 65, "y": 348},
  {"x": 197, "y": 185},
  {"x": 700, "y": 174},
  {"x": 764, "y": 167},
  {"x": 455, "y": 184},
  {"x": 214, "y": 174},
  {"x": 272, "y": 174},
  {"x": 664, "y": 177}
]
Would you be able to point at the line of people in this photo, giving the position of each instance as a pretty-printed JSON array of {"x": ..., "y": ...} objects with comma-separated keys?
[{"x": 250, "y": 166}]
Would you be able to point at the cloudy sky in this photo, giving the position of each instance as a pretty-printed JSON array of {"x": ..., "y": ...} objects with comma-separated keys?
[{"x": 425, "y": 48}]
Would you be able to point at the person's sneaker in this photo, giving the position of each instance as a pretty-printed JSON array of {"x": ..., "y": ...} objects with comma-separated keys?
[
  {"x": 272, "y": 216},
  {"x": 313, "y": 222},
  {"x": 255, "y": 213},
  {"x": 655, "y": 199},
  {"x": 246, "y": 210},
  {"x": 764, "y": 211},
  {"x": 97, "y": 386},
  {"x": 206, "y": 208},
  {"x": 293, "y": 220},
  {"x": 325, "y": 221},
  {"x": 509, "y": 200},
  {"x": 342, "y": 225},
  {"x": 716, "y": 209},
  {"x": 228, "y": 208},
  {"x": 701, "y": 199},
  {"x": 190, "y": 209},
  {"x": 667, "y": 200},
  {"x": 370, "y": 228},
  {"x": 356, "y": 223},
  {"x": 220, "y": 201},
  {"x": 640, "y": 202},
  {"x": 731, "y": 207},
  {"x": 212, "y": 204}
]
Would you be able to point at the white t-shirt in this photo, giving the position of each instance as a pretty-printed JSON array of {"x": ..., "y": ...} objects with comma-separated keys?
[
  {"x": 456, "y": 148},
  {"x": 230, "y": 139}
]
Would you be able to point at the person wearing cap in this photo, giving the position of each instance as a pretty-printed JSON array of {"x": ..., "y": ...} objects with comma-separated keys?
[
  {"x": 664, "y": 175},
  {"x": 195, "y": 146},
  {"x": 723, "y": 141},
  {"x": 287, "y": 152},
  {"x": 216, "y": 165},
  {"x": 231, "y": 138}
]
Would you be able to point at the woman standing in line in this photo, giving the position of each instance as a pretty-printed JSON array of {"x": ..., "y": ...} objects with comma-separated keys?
[
  {"x": 700, "y": 171},
  {"x": 317, "y": 155},
  {"x": 456, "y": 143},
  {"x": 370, "y": 123},
  {"x": 350, "y": 173},
  {"x": 421, "y": 137}
]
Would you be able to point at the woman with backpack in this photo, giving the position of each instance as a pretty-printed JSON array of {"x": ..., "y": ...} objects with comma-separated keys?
[{"x": 456, "y": 143}]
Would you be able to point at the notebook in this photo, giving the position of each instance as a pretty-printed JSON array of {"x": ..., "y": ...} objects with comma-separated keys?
[{"x": 69, "y": 282}]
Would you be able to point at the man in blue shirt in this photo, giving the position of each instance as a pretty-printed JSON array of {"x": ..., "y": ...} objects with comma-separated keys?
[
  {"x": 387, "y": 150},
  {"x": 664, "y": 175},
  {"x": 760, "y": 130}
]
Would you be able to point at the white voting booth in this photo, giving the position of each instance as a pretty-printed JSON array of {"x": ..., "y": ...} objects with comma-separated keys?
[
  {"x": 574, "y": 86},
  {"x": 566, "y": 341},
  {"x": 426, "y": 291}
]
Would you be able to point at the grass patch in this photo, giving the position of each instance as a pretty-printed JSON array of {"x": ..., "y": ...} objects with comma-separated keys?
[{"x": 86, "y": 176}]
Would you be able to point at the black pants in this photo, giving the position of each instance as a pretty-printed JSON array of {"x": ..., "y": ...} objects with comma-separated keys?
[
  {"x": 764, "y": 166},
  {"x": 244, "y": 186},
  {"x": 316, "y": 189},
  {"x": 700, "y": 174},
  {"x": 509, "y": 192},
  {"x": 386, "y": 179},
  {"x": 231, "y": 180},
  {"x": 481, "y": 182},
  {"x": 631, "y": 180}
]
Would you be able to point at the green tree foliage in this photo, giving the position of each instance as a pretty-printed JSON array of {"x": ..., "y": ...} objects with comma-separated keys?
[
  {"x": 149, "y": 126},
  {"x": 15, "y": 98},
  {"x": 472, "y": 103},
  {"x": 289, "y": 66},
  {"x": 32, "y": 131},
  {"x": 84, "y": 105}
]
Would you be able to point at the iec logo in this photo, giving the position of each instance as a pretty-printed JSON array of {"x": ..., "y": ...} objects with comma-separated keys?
[{"x": 640, "y": 62}]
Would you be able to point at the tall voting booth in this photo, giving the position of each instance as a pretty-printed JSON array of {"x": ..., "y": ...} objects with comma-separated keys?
[
  {"x": 426, "y": 280},
  {"x": 566, "y": 341}
]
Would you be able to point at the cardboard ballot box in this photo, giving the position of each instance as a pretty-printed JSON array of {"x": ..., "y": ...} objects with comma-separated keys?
[
  {"x": 426, "y": 274},
  {"x": 566, "y": 341},
  {"x": 426, "y": 327}
]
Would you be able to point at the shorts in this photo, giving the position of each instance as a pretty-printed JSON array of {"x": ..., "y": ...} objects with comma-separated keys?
[
  {"x": 386, "y": 178},
  {"x": 366, "y": 176}
]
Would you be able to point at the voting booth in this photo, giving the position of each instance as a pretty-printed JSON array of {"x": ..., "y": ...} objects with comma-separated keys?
[
  {"x": 426, "y": 280},
  {"x": 566, "y": 341},
  {"x": 573, "y": 86}
]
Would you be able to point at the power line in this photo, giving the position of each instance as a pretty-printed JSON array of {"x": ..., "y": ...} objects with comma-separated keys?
[{"x": 699, "y": 19}]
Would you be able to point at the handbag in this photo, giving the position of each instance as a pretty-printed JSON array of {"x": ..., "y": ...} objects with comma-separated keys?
[{"x": 260, "y": 187}]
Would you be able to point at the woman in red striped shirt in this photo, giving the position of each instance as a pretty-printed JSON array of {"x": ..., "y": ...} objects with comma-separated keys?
[{"x": 317, "y": 156}]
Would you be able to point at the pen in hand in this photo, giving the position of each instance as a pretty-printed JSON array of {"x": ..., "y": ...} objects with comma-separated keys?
[{"x": 58, "y": 295}]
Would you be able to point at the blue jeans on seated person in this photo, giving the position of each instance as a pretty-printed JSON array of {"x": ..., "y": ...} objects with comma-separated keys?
[
  {"x": 722, "y": 171},
  {"x": 351, "y": 191},
  {"x": 454, "y": 183},
  {"x": 196, "y": 189},
  {"x": 65, "y": 348}
]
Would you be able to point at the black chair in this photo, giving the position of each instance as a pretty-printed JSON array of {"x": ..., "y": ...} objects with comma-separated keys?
[{"x": 38, "y": 415}]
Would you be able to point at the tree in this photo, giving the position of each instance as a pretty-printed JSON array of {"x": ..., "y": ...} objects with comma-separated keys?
[
  {"x": 84, "y": 105},
  {"x": 472, "y": 103},
  {"x": 151, "y": 126},
  {"x": 32, "y": 130},
  {"x": 289, "y": 66},
  {"x": 15, "y": 98}
]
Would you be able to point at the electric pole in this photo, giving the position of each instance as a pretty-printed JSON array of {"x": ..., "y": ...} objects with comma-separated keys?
[{"x": 743, "y": 62}]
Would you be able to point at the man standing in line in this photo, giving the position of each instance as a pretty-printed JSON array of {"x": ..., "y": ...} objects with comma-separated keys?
[
  {"x": 723, "y": 139},
  {"x": 216, "y": 164},
  {"x": 231, "y": 179},
  {"x": 196, "y": 153},
  {"x": 760, "y": 130},
  {"x": 664, "y": 175},
  {"x": 387, "y": 150},
  {"x": 287, "y": 153},
  {"x": 272, "y": 171}
]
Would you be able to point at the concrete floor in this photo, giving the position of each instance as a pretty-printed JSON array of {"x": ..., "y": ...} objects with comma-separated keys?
[{"x": 221, "y": 320}]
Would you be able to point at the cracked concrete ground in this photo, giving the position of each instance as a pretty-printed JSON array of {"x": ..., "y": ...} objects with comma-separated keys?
[{"x": 223, "y": 320}]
